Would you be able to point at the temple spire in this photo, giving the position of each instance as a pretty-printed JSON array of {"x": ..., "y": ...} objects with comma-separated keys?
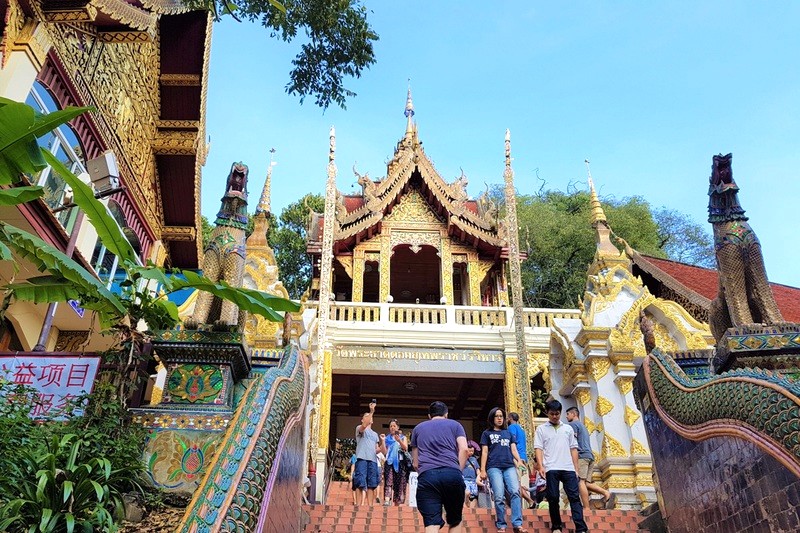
[
  {"x": 594, "y": 202},
  {"x": 409, "y": 112},
  {"x": 264, "y": 201},
  {"x": 599, "y": 222}
]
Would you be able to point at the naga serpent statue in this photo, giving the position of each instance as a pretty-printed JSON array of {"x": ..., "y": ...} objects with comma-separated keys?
[
  {"x": 745, "y": 296},
  {"x": 224, "y": 255}
]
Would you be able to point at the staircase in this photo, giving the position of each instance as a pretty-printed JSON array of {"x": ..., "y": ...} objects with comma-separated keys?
[{"x": 339, "y": 515}]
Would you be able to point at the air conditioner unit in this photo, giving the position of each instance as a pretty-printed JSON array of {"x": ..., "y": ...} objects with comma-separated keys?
[{"x": 104, "y": 171}]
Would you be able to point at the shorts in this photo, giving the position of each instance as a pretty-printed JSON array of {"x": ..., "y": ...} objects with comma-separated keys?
[
  {"x": 585, "y": 469},
  {"x": 472, "y": 487},
  {"x": 437, "y": 488},
  {"x": 366, "y": 475}
]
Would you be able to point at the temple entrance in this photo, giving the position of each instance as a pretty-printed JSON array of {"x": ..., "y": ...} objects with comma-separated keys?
[
  {"x": 415, "y": 275},
  {"x": 407, "y": 397}
]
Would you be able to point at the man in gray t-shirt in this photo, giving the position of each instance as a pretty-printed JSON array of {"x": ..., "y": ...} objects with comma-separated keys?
[
  {"x": 366, "y": 475},
  {"x": 586, "y": 463}
]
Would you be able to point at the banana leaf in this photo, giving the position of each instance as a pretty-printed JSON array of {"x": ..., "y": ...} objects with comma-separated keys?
[
  {"x": 252, "y": 301},
  {"x": 20, "y": 195},
  {"x": 108, "y": 231},
  {"x": 92, "y": 293},
  {"x": 20, "y": 125}
]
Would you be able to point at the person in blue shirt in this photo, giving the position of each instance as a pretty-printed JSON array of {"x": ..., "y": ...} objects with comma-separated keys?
[
  {"x": 522, "y": 449},
  {"x": 499, "y": 460}
]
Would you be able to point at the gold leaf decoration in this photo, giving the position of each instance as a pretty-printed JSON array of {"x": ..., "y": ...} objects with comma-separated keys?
[
  {"x": 631, "y": 415},
  {"x": 603, "y": 406},
  {"x": 637, "y": 448}
]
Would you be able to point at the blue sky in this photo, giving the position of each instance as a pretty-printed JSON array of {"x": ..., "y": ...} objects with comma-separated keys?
[{"x": 647, "y": 92}]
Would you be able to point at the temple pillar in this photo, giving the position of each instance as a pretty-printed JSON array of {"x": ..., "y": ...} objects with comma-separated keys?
[
  {"x": 510, "y": 384},
  {"x": 447, "y": 270},
  {"x": 473, "y": 272},
  {"x": 384, "y": 268},
  {"x": 325, "y": 400},
  {"x": 358, "y": 276},
  {"x": 502, "y": 287}
]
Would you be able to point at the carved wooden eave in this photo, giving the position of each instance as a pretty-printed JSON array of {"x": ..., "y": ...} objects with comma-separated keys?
[
  {"x": 115, "y": 21},
  {"x": 411, "y": 167},
  {"x": 179, "y": 143}
]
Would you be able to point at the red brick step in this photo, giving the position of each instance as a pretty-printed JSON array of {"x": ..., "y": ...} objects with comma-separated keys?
[{"x": 340, "y": 515}]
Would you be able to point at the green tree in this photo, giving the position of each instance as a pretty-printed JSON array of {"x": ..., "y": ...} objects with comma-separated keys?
[
  {"x": 555, "y": 232},
  {"x": 338, "y": 41},
  {"x": 288, "y": 241},
  {"x": 683, "y": 239}
]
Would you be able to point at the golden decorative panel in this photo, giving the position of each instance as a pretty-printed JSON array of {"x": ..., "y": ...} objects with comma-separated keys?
[
  {"x": 598, "y": 367},
  {"x": 325, "y": 400},
  {"x": 71, "y": 341},
  {"x": 612, "y": 447},
  {"x": 512, "y": 403},
  {"x": 539, "y": 362},
  {"x": 358, "y": 279},
  {"x": 637, "y": 448},
  {"x": 385, "y": 267},
  {"x": 603, "y": 406},
  {"x": 631, "y": 415},
  {"x": 413, "y": 208},
  {"x": 625, "y": 384},
  {"x": 123, "y": 87},
  {"x": 644, "y": 479},
  {"x": 590, "y": 427},
  {"x": 347, "y": 262},
  {"x": 447, "y": 269},
  {"x": 621, "y": 481},
  {"x": 15, "y": 20},
  {"x": 180, "y": 80},
  {"x": 416, "y": 239},
  {"x": 583, "y": 396}
]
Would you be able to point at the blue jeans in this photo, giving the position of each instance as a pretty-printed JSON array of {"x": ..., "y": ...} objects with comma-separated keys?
[
  {"x": 570, "y": 481},
  {"x": 506, "y": 480}
]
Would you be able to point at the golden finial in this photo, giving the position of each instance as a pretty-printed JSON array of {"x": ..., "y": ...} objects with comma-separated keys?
[
  {"x": 409, "y": 112},
  {"x": 599, "y": 222},
  {"x": 594, "y": 202},
  {"x": 264, "y": 202}
]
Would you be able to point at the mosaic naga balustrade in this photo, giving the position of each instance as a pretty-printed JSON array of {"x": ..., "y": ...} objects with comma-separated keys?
[
  {"x": 235, "y": 493},
  {"x": 761, "y": 406}
]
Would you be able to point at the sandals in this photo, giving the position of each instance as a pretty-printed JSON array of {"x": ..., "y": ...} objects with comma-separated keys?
[
  {"x": 520, "y": 529},
  {"x": 611, "y": 502}
]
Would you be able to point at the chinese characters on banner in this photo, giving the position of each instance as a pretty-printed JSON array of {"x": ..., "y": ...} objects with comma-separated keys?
[{"x": 56, "y": 379}]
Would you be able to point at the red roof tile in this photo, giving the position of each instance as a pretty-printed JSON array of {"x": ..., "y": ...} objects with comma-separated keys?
[{"x": 705, "y": 282}]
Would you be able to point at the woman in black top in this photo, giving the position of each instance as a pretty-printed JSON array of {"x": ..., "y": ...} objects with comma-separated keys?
[{"x": 499, "y": 460}]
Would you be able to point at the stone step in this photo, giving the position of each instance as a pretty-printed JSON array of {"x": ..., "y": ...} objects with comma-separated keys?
[{"x": 339, "y": 515}]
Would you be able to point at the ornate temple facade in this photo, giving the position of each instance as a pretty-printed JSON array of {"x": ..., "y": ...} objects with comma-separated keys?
[
  {"x": 143, "y": 67},
  {"x": 412, "y": 305}
]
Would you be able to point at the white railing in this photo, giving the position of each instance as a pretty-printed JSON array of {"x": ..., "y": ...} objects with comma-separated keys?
[{"x": 443, "y": 314}]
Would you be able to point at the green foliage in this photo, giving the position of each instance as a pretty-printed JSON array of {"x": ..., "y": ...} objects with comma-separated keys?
[
  {"x": 682, "y": 239},
  {"x": 108, "y": 231},
  {"x": 20, "y": 195},
  {"x": 288, "y": 241},
  {"x": 20, "y": 126},
  {"x": 555, "y": 232},
  {"x": 338, "y": 41},
  {"x": 47, "y": 493},
  {"x": 54, "y": 481},
  {"x": 538, "y": 399}
]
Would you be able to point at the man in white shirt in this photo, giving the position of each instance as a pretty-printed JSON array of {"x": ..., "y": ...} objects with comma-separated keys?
[{"x": 557, "y": 461}]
